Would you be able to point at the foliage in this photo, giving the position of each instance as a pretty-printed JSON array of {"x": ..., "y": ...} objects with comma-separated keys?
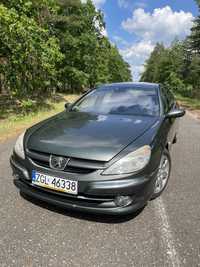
[
  {"x": 198, "y": 2},
  {"x": 28, "y": 55},
  {"x": 49, "y": 45},
  {"x": 118, "y": 69},
  {"x": 176, "y": 66},
  {"x": 195, "y": 33}
]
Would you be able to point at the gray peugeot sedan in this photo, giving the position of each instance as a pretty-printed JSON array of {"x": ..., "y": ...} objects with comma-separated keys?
[{"x": 107, "y": 153}]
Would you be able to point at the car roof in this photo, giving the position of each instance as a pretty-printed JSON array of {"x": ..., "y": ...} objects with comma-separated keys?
[{"x": 142, "y": 85}]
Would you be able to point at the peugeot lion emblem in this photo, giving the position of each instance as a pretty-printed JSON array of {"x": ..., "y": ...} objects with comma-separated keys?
[{"x": 58, "y": 163}]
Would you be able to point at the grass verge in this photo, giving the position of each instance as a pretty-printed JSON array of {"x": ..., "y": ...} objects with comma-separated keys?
[
  {"x": 14, "y": 124},
  {"x": 189, "y": 103}
]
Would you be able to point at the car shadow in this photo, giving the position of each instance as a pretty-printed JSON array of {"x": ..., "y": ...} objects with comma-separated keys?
[{"x": 107, "y": 219}]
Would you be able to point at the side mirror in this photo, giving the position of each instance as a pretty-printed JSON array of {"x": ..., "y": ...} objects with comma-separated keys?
[
  {"x": 176, "y": 113},
  {"x": 67, "y": 105}
]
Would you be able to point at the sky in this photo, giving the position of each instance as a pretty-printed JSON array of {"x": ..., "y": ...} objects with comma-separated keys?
[{"x": 136, "y": 25}]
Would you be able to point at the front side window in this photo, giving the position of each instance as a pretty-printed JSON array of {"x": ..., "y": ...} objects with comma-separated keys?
[
  {"x": 164, "y": 100},
  {"x": 124, "y": 101},
  {"x": 167, "y": 99}
]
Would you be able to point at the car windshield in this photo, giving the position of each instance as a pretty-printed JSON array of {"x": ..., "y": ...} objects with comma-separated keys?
[{"x": 124, "y": 101}]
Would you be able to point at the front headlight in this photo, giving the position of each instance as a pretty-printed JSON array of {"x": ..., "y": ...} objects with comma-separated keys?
[
  {"x": 19, "y": 146},
  {"x": 133, "y": 162}
]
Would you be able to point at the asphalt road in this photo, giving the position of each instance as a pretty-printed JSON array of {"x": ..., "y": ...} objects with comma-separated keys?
[{"x": 165, "y": 233}]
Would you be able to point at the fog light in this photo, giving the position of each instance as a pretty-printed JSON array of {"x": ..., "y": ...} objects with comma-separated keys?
[{"x": 123, "y": 201}]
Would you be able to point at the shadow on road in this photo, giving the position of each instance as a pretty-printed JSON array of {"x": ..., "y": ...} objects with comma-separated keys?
[{"x": 108, "y": 219}]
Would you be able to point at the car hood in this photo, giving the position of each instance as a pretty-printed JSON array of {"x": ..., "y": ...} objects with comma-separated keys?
[{"x": 87, "y": 136}]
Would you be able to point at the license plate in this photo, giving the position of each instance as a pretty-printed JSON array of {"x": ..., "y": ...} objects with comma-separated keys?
[{"x": 55, "y": 183}]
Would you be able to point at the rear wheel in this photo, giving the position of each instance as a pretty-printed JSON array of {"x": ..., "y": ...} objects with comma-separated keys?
[{"x": 163, "y": 174}]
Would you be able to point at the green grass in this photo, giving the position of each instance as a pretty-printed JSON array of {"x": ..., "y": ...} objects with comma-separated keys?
[
  {"x": 16, "y": 123},
  {"x": 189, "y": 103}
]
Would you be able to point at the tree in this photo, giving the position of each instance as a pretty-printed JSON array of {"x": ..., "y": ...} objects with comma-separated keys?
[
  {"x": 29, "y": 55},
  {"x": 88, "y": 55},
  {"x": 118, "y": 69},
  {"x": 55, "y": 44},
  {"x": 194, "y": 75},
  {"x": 168, "y": 66},
  {"x": 177, "y": 66},
  {"x": 195, "y": 36},
  {"x": 40, "y": 10},
  {"x": 198, "y": 2},
  {"x": 151, "y": 73}
]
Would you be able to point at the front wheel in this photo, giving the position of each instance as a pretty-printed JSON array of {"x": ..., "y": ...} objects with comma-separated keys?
[{"x": 163, "y": 174}]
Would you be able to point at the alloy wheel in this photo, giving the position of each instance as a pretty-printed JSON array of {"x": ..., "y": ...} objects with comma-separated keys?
[{"x": 163, "y": 175}]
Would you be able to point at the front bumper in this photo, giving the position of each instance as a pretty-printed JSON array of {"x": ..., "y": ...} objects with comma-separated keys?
[{"x": 95, "y": 196}]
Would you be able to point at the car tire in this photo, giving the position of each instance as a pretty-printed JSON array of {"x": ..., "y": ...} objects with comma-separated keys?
[{"x": 163, "y": 174}]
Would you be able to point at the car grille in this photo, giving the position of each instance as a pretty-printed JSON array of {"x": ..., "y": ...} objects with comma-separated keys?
[{"x": 74, "y": 165}]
